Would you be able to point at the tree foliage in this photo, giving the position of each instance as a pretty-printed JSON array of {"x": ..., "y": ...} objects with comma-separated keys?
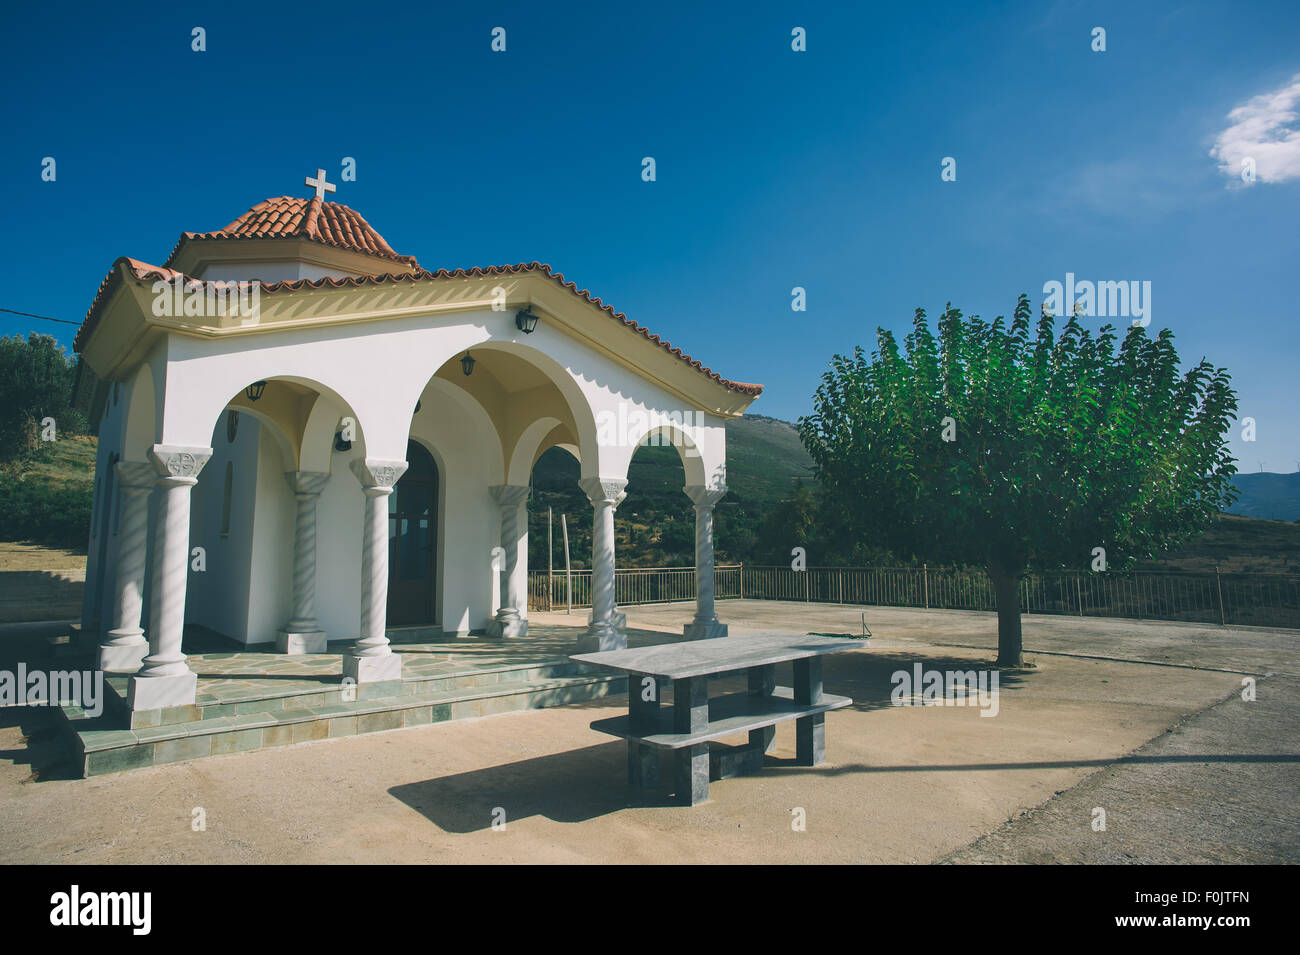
[
  {"x": 36, "y": 379},
  {"x": 1061, "y": 443}
]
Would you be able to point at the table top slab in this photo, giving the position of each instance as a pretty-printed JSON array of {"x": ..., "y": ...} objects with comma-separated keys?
[{"x": 677, "y": 661}]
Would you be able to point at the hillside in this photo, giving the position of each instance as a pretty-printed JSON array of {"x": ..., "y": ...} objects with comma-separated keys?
[
  {"x": 45, "y": 498},
  {"x": 655, "y": 525},
  {"x": 1270, "y": 497}
]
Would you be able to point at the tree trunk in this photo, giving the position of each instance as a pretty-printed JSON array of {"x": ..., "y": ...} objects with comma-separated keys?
[{"x": 1006, "y": 588}]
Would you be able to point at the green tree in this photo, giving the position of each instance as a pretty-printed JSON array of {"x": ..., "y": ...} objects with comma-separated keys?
[
  {"x": 35, "y": 383},
  {"x": 986, "y": 446},
  {"x": 792, "y": 523}
]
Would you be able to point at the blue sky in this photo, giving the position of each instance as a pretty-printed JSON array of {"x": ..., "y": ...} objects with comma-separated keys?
[{"x": 775, "y": 169}]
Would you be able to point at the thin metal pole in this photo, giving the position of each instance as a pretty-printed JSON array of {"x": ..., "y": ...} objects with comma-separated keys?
[
  {"x": 568, "y": 571},
  {"x": 925, "y": 580},
  {"x": 1218, "y": 585},
  {"x": 550, "y": 559}
]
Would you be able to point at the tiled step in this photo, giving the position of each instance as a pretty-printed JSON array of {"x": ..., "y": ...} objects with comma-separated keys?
[
  {"x": 103, "y": 747},
  {"x": 265, "y": 699}
]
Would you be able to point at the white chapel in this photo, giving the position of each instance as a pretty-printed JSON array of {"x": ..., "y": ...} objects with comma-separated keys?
[{"x": 308, "y": 437}]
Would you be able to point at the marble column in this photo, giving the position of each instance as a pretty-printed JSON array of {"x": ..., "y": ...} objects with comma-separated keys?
[
  {"x": 509, "y": 622},
  {"x": 705, "y": 625},
  {"x": 164, "y": 678},
  {"x": 372, "y": 660},
  {"x": 604, "y": 632},
  {"x": 302, "y": 634},
  {"x": 123, "y": 648}
]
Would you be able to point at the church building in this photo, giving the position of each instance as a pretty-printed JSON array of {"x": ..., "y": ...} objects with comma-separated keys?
[{"x": 308, "y": 437}]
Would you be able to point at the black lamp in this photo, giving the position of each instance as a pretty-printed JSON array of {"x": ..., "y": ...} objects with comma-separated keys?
[
  {"x": 467, "y": 363},
  {"x": 526, "y": 320},
  {"x": 255, "y": 390}
]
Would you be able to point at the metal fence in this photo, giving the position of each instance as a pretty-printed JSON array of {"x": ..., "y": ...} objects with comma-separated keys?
[
  {"x": 1267, "y": 600},
  {"x": 632, "y": 585}
]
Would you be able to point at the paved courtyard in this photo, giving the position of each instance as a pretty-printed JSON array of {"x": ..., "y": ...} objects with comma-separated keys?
[{"x": 1142, "y": 720}]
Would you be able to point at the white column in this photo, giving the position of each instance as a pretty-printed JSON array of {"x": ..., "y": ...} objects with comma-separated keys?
[
  {"x": 372, "y": 660},
  {"x": 604, "y": 633},
  {"x": 165, "y": 679},
  {"x": 509, "y": 621},
  {"x": 123, "y": 648},
  {"x": 705, "y": 625},
  {"x": 302, "y": 634}
]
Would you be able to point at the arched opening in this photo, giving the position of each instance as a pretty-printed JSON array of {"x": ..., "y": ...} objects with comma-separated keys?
[{"x": 413, "y": 541}]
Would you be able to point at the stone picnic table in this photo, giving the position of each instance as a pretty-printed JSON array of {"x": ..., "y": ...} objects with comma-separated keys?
[{"x": 690, "y": 730}]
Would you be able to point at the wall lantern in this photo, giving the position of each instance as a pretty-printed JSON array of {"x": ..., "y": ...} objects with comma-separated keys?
[
  {"x": 341, "y": 443},
  {"x": 467, "y": 363},
  {"x": 526, "y": 320},
  {"x": 255, "y": 390}
]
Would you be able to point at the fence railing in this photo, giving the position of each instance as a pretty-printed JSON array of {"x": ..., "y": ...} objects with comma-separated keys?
[
  {"x": 632, "y": 585},
  {"x": 1267, "y": 600}
]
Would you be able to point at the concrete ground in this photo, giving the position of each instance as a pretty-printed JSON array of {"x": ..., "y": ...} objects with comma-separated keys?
[{"x": 1144, "y": 720}]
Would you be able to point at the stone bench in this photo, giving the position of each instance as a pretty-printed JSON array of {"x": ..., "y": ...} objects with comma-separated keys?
[{"x": 692, "y": 728}]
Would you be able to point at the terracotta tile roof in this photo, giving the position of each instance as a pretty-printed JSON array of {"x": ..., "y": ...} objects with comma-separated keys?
[
  {"x": 144, "y": 271},
  {"x": 290, "y": 217}
]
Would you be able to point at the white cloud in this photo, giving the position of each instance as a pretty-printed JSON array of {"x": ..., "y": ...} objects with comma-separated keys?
[{"x": 1265, "y": 128}]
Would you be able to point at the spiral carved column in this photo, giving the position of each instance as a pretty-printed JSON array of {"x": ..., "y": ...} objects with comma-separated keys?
[{"x": 302, "y": 634}]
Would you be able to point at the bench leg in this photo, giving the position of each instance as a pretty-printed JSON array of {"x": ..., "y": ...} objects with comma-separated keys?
[
  {"x": 762, "y": 738},
  {"x": 691, "y": 782},
  {"x": 808, "y": 680},
  {"x": 642, "y": 764},
  {"x": 810, "y": 739},
  {"x": 691, "y": 705},
  {"x": 762, "y": 680}
]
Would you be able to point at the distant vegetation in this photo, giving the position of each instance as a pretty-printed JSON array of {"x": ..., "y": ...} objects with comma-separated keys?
[{"x": 46, "y": 459}]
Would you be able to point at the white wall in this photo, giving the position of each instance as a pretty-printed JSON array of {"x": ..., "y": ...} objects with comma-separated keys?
[
  {"x": 339, "y": 514},
  {"x": 218, "y": 597},
  {"x": 270, "y": 599}
]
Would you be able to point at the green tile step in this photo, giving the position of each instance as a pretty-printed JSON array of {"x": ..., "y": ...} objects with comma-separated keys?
[
  {"x": 264, "y": 695},
  {"x": 103, "y": 746}
]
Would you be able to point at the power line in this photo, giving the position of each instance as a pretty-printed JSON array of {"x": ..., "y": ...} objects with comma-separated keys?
[{"x": 44, "y": 318}]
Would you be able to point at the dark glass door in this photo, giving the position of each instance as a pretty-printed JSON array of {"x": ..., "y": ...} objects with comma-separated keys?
[{"x": 413, "y": 540}]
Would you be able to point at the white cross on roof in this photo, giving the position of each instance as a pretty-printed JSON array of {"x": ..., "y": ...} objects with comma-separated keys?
[{"x": 319, "y": 184}]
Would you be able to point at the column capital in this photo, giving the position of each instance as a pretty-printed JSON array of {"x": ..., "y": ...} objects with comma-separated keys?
[
  {"x": 136, "y": 475},
  {"x": 306, "y": 482},
  {"x": 601, "y": 490},
  {"x": 509, "y": 494},
  {"x": 378, "y": 473},
  {"x": 176, "y": 461},
  {"x": 705, "y": 496}
]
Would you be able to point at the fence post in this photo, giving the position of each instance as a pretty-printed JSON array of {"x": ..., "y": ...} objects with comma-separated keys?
[
  {"x": 925, "y": 581},
  {"x": 742, "y": 580},
  {"x": 1078, "y": 589},
  {"x": 1218, "y": 586},
  {"x": 839, "y": 585}
]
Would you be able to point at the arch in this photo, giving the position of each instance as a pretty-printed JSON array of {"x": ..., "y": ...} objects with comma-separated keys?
[
  {"x": 584, "y": 417},
  {"x": 438, "y": 388},
  {"x": 687, "y": 450},
  {"x": 187, "y": 403},
  {"x": 528, "y": 448}
]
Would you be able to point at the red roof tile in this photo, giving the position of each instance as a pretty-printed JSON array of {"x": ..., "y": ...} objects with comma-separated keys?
[
  {"x": 289, "y": 217},
  {"x": 144, "y": 271}
]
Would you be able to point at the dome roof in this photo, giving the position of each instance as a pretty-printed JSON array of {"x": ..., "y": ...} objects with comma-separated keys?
[{"x": 290, "y": 217}]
